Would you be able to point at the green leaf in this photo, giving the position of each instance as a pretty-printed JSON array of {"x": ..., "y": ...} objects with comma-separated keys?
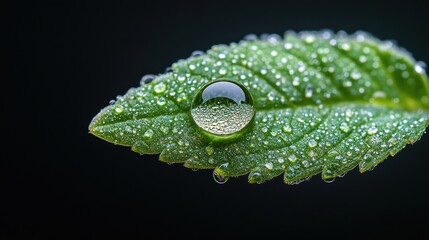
[{"x": 325, "y": 103}]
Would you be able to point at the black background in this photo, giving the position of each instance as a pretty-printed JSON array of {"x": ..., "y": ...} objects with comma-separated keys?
[{"x": 67, "y": 60}]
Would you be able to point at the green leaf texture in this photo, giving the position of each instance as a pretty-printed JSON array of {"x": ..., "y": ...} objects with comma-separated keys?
[{"x": 325, "y": 103}]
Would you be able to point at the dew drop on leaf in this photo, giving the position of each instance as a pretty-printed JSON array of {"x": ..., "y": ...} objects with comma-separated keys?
[
  {"x": 329, "y": 180},
  {"x": 148, "y": 133},
  {"x": 292, "y": 158},
  {"x": 119, "y": 109},
  {"x": 344, "y": 127},
  {"x": 220, "y": 179},
  {"x": 209, "y": 150},
  {"x": 269, "y": 165},
  {"x": 287, "y": 128},
  {"x": 223, "y": 107},
  {"x": 147, "y": 79},
  {"x": 308, "y": 91},
  {"x": 161, "y": 101},
  {"x": 312, "y": 143},
  {"x": 160, "y": 87},
  {"x": 372, "y": 130}
]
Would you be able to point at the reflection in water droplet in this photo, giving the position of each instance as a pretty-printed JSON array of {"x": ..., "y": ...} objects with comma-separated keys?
[
  {"x": 223, "y": 107},
  {"x": 220, "y": 179}
]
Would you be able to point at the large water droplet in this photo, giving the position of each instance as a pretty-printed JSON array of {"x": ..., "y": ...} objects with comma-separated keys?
[
  {"x": 219, "y": 179},
  {"x": 222, "y": 108}
]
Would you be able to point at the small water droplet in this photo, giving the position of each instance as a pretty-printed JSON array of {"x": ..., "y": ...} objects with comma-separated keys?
[
  {"x": 161, "y": 101},
  {"x": 333, "y": 153},
  {"x": 309, "y": 39},
  {"x": 405, "y": 74},
  {"x": 372, "y": 130},
  {"x": 344, "y": 127},
  {"x": 219, "y": 179},
  {"x": 119, "y": 109},
  {"x": 197, "y": 53},
  {"x": 251, "y": 37},
  {"x": 148, "y": 134},
  {"x": 329, "y": 180},
  {"x": 264, "y": 130},
  {"x": 345, "y": 46},
  {"x": 269, "y": 165},
  {"x": 312, "y": 143},
  {"x": 111, "y": 102},
  {"x": 281, "y": 160},
  {"x": 222, "y": 71},
  {"x": 160, "y": 87},
  {"x": 147, "y": 79},
  {"x": 308, "y": 91},
  {"x": 181, "y": 97},
  {"x": 356, "y": 75},
  {"x": 420, "y": 67},
  {"x": 287, "y": 128},
  {"x": 209, "y": 150},
  {"x": 288, "y": 45},
  {"x": 292, "y": 158},
  {"x": 164, "y": 129},
  {"x": 181, "y": 78},
  {"x": 168, "y": 70},
  {"x": 305, "y": 163},
  {"x": 347, "y": 84}
]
